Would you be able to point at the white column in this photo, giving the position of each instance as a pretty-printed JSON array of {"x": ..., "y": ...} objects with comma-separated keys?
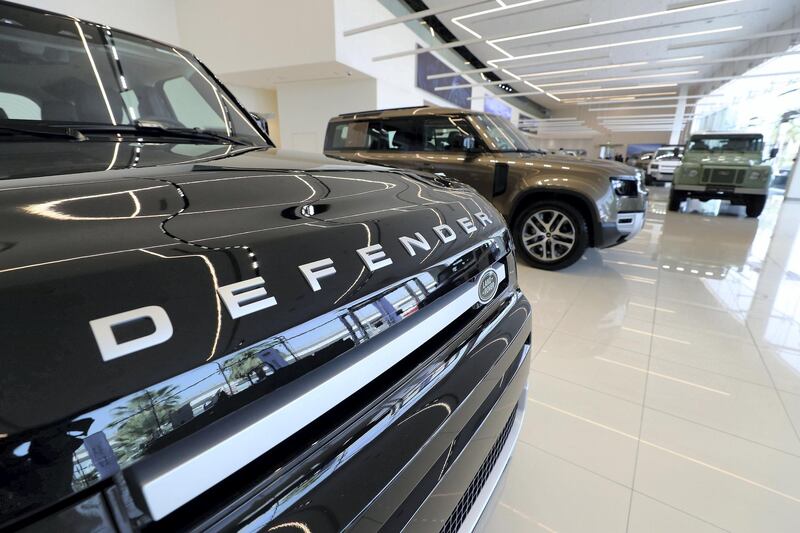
[
  {"x": 793, "y": 185},
  {"x": 680, "y": 112}
]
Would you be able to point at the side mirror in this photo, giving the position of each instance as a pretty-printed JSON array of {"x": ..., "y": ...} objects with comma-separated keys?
[
  {"x": 773, "y": 153},
  {"x": 676, "y": 152},
  {"x": 261, "y": 121},
  {"x": 468, "y": 143}
]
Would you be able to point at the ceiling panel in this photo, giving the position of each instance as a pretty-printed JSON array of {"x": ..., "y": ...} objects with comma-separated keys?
[{"x": 634, "y": 41}]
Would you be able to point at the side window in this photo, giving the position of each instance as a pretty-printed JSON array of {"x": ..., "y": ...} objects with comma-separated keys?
[
  {"x": 401, "y": 135},
  {"x": 378, "y": 135},
  {"x": 348, "y": 136},
  {"x": 18, "y": 107},
  {"x": 190, "y": 107},
  {"x": 445, "y": 134}
]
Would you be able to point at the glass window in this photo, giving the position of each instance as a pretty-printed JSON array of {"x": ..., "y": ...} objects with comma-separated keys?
[
  {"x": 726, "y": 144},
  {"x": 18, "y": 107},
  {"x": 499, "y": 135},
  {"x": 445, "y": 134},
  {"x": 380, "y": 135},
  {"x": 190, "y": 107},
  {"x": 57, "y": 70},
  {"x": 668, "y": 152}
]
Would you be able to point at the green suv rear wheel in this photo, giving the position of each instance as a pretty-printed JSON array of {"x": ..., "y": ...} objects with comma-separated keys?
[
  {"x": 675, "y": 199},
  {"x": 551, "y": 235},
  {"x": 755, "y": 205}
]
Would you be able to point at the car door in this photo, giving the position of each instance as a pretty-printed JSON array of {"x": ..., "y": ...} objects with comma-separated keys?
[
  {"x": 383, "y": 141},
  {"x": 443, "y": 152}
]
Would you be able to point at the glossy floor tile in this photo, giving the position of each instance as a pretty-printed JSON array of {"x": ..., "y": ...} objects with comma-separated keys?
[{"x": 664, "y": 392}]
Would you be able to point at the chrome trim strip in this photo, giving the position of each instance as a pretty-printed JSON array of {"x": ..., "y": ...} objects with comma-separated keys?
[
  {"x": 166, "y": 491},
  {"x": 486, "y": 493}
]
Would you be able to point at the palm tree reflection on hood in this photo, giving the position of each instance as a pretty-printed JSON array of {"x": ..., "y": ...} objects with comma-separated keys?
[{"x": 143, "y": 419}]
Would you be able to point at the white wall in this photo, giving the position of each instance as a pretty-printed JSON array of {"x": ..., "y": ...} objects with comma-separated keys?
[
  {"x": 251, "y": 35},
  {"x": 154, "y": 18},
  {"x": 261, "y": 101},
  {"x": 396, "y": 77},
  {"x": 305, "y": 107}
]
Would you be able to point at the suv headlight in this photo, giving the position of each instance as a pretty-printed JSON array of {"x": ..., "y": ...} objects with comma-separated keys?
[
  {"x": 756, "y": 175},
  {"x": 625, "y": 187},
  {"x": 693, "y": 173}
]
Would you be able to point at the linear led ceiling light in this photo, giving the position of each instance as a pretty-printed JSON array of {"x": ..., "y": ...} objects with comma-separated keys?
[
  {"x": 679, "y": 59},
  {"x": 493, "y": 62},
  {"x": 563, "y": 83},
  {"x": 629, "y": 99},
  {"x": 635, "y": 107},
  {"x": 611, "y": 21},
  {"x": 621, "y": 78},
  {"x": 457, "y": 20},
  {"x": 593, "y": 99},
  {"x": 410, "y": 17},
  {"x": 584, "y": 69},
  {"x": 610, "y": 89}
]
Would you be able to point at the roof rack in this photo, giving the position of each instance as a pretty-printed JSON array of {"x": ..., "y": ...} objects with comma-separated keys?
[{"x": 378, "y": 111}]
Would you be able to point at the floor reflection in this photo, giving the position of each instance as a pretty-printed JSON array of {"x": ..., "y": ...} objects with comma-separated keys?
[{"x": 665, "y": 385}]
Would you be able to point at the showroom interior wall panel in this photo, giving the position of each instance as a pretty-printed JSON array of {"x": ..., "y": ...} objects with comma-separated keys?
[
  {"x": 397, "y": 77},
  {"x": 261, "y": 101},
  {"x": 253, "y": 35},
  {"x": 154, "y": 18},
  {"x": 309, "y": 105}
]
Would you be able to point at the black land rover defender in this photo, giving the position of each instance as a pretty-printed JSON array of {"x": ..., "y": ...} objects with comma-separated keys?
[{"x": 201, "y": 332}]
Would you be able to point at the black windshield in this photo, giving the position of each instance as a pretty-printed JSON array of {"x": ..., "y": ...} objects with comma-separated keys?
[
  {"x": 61, "y": 72},
  {"x": 726, "y": 144}
]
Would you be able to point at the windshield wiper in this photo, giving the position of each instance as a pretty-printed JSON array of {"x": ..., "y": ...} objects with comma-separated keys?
[
  {"x": 156, "y": 129},
  {"x": 67, "y": 133},
  {"x": 196, "y": 133}
]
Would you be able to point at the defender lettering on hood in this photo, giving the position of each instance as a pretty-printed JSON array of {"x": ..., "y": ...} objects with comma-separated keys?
[{"x": 250, "y": 296}]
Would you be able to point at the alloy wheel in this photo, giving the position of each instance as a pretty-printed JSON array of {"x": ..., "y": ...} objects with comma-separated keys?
[{"x": 549, "y": 235}]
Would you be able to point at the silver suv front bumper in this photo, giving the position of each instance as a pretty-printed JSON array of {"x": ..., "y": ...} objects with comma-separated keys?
[{"x": 630, "y": 223}]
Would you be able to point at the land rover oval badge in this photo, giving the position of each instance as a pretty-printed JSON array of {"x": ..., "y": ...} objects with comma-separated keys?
[{"x": 487, "y": 286}]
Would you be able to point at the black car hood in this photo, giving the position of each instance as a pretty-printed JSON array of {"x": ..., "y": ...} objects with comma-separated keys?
[{"x": 89, "y": 243}]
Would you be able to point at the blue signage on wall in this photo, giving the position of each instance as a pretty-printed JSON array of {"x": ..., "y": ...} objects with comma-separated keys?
[
  {"x": 428, "y": 64},
  {"x": 496, "y": 107}
]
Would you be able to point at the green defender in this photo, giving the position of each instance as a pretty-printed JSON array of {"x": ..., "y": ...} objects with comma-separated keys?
[{"x": 724, "y": 166}]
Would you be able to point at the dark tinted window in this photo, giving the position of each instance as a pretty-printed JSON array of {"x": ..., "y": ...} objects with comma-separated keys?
[
  {"x": 56, "y": 71},
  {"x": 378, "y": 134},
  {"x": 445, "y": 134},
  {"x": 727, "y": 144}
]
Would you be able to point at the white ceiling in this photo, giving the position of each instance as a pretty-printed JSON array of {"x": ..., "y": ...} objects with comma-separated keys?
[{"x": 504, "y": 18}]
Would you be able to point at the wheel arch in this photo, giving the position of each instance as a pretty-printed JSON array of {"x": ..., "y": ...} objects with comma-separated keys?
[{"x": 577, "y": 200}]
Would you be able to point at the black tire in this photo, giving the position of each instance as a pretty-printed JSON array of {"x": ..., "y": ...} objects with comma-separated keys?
[
  {"x": 755, "y": 206},
  {"x": 648, "y": 179},
  {"x": 675, "y": 199},
  {"x": 556, "y": 244}
]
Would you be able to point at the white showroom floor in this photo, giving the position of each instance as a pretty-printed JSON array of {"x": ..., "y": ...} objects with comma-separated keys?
[{"x": 665, "y": 385}]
